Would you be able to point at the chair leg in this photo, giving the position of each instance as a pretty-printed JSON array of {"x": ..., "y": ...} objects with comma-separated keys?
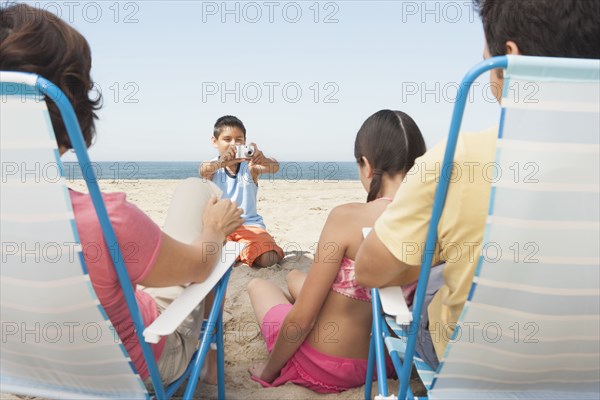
[
  {"x": 370, "y": 368},
  {"x": 379, "y": 345},
  {"x": 198, "y": 360},
  {"x": 220, "y": 358},
  {"x": 215, "y": 313}
]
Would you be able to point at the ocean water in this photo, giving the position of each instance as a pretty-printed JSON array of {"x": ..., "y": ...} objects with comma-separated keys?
[{"x": 290, "y": 171}]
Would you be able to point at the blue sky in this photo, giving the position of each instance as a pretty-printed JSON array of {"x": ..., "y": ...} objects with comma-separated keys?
[{"x": 303, "y": 76}]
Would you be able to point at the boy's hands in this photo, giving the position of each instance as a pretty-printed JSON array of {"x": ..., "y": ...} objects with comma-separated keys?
[
  {"x": 261, "y": 164},
  {"x": 222, "y": 216},
  {"x": 229, "y": 156},
  {"x": 258, "y": 158}
]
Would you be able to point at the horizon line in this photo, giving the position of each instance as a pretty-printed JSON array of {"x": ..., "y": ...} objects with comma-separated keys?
[{"x": 196, "y": 161}]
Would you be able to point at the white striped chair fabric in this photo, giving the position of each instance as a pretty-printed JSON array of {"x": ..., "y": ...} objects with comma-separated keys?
[
  {"x": 398, "y": 345},
  {"x": 56, "y": 339},
  {"x": 534, "y": 307},
  {"x": 531, "y": 325}
]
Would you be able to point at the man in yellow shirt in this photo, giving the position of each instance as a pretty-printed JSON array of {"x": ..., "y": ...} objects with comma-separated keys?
[{"x": 392, "y": 254}]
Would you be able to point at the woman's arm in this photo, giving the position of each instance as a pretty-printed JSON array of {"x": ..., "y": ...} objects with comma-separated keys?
[
  {"x": 179, "y": 263},
  {"x": 304, "y": 313}
]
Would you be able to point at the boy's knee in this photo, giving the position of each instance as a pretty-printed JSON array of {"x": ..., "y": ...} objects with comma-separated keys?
[{"x": 267, "y": 259}]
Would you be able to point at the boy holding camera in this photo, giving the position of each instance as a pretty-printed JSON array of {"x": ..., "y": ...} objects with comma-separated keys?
[{"x": 236, "y": 173}]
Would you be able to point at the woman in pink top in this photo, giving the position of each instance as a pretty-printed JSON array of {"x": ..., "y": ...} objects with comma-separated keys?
[
  {"x": 318, "y": 335},
  {"x": 36, "y": 41}
]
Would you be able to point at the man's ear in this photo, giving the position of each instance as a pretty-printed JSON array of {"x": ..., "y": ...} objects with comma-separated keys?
[
  {"x": 512, "y": 48},
  {"x": 214, "y": 141},
  {"x": 368, "y": 166}
]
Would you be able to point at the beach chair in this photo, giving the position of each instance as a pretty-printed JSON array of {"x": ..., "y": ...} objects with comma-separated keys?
[
  {"x": 57, "y": 341},
  {"x": 531, "y": 325}
]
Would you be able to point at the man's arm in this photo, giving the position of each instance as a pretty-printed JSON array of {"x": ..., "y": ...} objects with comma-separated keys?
[{"x": 376, "y": 266}]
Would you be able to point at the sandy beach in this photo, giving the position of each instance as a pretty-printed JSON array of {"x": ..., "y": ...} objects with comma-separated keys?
[{"x": 294, "y": 213}]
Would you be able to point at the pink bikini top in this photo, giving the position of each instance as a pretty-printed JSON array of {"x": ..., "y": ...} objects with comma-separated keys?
[{"x": 345, "y": 281}]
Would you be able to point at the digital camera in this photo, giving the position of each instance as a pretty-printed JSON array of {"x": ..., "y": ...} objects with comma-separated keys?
[{"x": 243, "y": 151}]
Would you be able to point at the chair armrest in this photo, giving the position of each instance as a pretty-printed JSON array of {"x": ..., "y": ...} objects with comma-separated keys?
[
  {"x": 366, "y": 231},
  {"x": 392, "y": 299},
  {"x": 181, "y": 307},
  {"x": 393, "y": 303}
]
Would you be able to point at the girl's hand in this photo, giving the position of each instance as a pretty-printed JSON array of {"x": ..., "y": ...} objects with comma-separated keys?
[{"x": 258, "y": 371}]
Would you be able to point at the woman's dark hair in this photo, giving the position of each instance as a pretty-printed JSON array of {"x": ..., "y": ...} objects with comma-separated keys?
[
  {"x": 36, "y": 41},
  {"x": 230, "y": 121},
  {"x": 391, "y": 141},
  {"x": 550, "y": 28}
]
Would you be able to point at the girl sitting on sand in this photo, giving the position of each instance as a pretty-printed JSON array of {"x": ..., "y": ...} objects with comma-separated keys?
[{"x": 318, "y": 336}]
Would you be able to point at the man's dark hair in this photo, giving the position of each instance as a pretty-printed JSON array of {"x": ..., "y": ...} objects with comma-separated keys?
[
  {"x": 230, "y": 121},
  {"x": 550, "y": 28}
]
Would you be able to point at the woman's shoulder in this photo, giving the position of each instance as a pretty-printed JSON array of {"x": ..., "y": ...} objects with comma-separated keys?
[
  {"x": 83, "y": 201},
  {"x": 118, "y": 208}
]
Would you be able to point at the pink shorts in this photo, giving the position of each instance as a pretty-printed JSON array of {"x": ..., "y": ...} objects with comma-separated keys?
[{"x": 310, "y": 368}]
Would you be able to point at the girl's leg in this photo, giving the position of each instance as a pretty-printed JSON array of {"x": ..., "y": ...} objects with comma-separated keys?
[
  {"x": 263, "y": 296},
  {"x": 295, "y": 280}
]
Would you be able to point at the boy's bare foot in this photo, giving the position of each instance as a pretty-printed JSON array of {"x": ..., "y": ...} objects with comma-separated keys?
[{"x": 208, "y": 373}]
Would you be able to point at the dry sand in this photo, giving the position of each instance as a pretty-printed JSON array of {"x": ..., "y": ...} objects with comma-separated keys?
[{"x": 294, "y": 212}]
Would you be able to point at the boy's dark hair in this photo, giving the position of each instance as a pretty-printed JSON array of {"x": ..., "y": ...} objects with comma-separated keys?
[
  {"x": 37, "y": 41},
  {"x": 550, "y": 28},
  {"x": 230, "y": 121},
  {"x": 391, "y": 141}
]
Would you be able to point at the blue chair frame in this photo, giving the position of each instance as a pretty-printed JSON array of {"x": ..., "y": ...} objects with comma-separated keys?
[
  {"x": 380, "y": 330},
  {"x": 214, "y": 327}
]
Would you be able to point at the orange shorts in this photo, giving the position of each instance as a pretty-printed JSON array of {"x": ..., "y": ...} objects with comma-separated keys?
[{"x": 258, "y": 242}]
